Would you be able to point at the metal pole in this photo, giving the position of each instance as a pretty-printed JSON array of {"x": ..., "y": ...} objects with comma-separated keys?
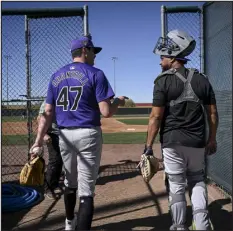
[
  {"x": 114, "y": 60},
  {"x": 7, "y": 78},
  {"x": 45, "y": 12},
  {"x": 163, "y": 21},
  {"x": 85, "y": 21},
  {"x": 202, "y": 66},
  {"x": 28, "y": 80},
  {"x": 115, "y": 76},
  {"x": 182, "y": 9}
]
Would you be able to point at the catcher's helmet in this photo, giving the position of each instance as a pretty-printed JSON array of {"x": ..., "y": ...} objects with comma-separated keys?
[{"x": 177, "y": 44}]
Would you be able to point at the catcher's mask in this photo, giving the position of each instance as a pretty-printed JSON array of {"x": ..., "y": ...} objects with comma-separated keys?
[{"x": 177, "y": 44}]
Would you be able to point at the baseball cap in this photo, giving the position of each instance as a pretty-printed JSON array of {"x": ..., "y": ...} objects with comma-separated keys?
[{"x": 84, "y": 42}]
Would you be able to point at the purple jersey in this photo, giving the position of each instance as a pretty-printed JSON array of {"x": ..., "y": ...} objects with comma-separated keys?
[{"x": 75, "y": 90}]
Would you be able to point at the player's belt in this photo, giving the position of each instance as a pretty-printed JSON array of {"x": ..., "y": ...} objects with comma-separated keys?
[{"x": 75, "y": 127}]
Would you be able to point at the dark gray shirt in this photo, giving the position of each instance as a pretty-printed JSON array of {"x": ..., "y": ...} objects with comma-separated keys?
[{"x": 184, "y": 123}]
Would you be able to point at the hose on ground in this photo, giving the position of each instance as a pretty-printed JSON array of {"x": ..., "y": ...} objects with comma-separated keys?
[{"x": 16, "y": 197}]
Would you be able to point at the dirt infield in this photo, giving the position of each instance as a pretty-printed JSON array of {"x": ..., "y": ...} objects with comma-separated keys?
[
  {"x": 17, "y": 128},
  {"x": 109, "y": 125}
]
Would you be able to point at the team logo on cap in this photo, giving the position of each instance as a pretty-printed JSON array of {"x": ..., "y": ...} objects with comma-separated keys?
[{"x": 84, "y": 43}]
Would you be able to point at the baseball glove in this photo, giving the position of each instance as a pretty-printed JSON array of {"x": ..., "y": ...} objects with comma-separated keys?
[{"x": 149, "y": 164}]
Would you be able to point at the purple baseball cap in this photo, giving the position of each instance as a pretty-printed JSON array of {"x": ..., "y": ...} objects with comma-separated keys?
[{"x": 84, "y": 42}]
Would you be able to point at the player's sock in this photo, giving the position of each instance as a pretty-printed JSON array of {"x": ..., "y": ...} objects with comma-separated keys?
[
  {"x": 85, "y": 213},
  {"x": 70, "y": 202}
]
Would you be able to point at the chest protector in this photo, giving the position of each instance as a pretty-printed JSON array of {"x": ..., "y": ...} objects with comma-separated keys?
[
  {"x": 187, "y": 94},
  {"x": 32, "y": 173}
]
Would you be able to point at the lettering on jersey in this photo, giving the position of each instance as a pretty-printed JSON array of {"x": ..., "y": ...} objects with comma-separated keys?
[{"x": 70, "y": 74}]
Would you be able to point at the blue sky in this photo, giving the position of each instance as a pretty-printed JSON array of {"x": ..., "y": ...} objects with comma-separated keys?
[{"x": 127, "y": 30}]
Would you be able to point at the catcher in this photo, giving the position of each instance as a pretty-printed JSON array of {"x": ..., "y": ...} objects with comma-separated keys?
[{"x": 182, "y": 98}]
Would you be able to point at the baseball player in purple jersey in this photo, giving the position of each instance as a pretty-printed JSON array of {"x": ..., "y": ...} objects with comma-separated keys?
[{"x": 78, "y": 94}]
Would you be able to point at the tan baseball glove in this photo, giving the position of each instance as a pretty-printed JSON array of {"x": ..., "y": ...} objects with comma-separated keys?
[{"x": 149, "y": 165}]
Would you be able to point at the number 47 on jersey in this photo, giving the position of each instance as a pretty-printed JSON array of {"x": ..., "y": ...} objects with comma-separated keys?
[{"x": 63, "y": 97}]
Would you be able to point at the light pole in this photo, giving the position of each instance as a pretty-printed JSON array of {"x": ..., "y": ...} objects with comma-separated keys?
[
  {"x": 114, "y": 60},
  {"x": 7, "y": 77}
]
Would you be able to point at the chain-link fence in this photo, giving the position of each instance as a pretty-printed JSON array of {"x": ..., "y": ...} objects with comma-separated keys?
[
  {"x": 14, "y": 120},
  {"x": 35, "y": 43},
  {"x": 186, "y": 19},
  {"x": 211, "y": 27},
  {"x": 218, "y": 67}
]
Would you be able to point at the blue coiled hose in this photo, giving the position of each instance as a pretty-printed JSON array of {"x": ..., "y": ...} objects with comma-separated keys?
[{"x": 16, "y": 197}]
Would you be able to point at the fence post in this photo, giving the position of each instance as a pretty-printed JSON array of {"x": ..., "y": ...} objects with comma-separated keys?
[
  {"x": 85, "y": 21},
  {"x": 202, "y": 50},
  {"x": 163, "y": 22},
  {"x": 28, "y": 81}
]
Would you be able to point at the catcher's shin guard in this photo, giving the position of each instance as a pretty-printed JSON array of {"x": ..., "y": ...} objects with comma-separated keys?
[
  {"x": 85, "y": 213},
  {"x": 210, "y": 224},
  {"x": 165, "y": 178},
  {"x": 177, "y": 201},
  {"x": 198, "y": 196}
]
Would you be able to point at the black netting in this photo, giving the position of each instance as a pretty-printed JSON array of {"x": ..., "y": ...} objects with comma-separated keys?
[
  {"x": 218, "y": 67},
  {"x": 217, "y": 30}
]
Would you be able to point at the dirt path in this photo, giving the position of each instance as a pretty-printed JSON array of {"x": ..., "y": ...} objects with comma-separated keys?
[{"x": 123, "y": 201}]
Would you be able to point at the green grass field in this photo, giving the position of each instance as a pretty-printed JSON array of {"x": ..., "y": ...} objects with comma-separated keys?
[
  {"x": 127, "y": 121},
  {"x": 9, "y": 140},
  {"x": 129, "y": 115},
  {"x": 108, "y": 138},
  {"x": 134, "y": 121},
  {"x": 13, "y": 119}
]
